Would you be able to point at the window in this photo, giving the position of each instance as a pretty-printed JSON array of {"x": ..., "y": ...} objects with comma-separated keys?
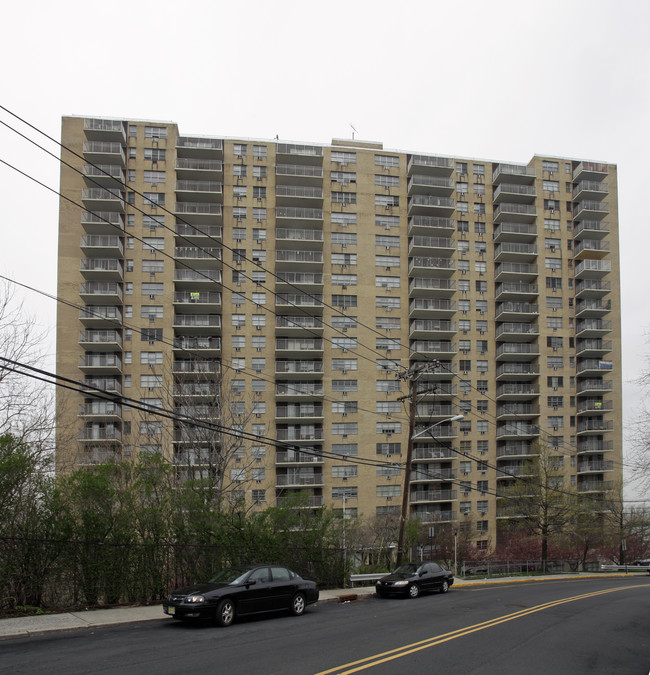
[
  {"x": 239, "y": 212},
  {"x": 553, "y": 263},
  {"x": 466, "y": 467},
  {"x": 155, "y": 198},
  {"x": 238, "y": 386},
  {"x": 481, "y": 306},
  {"x": 387, "y": 282},
  {"x": 238, "y": 320},
  {"x": 344, "y": 343},
  {"x": 387, "y": 343},
  {"x": 344, "y": 471},
  {"x": 552, "y": 205},
  {"x": 555, "y": 421},
  {"x": 154, "y": 155},
  {"x": 259, "y": 214},
  {"x": 481, "y": 346},
  {"x": 238, "y": 363},
  {"x": 480, "y": 247},
  {"x": 479, "y": 228},
  {"x": 343, "y": 157},
  {"x": 482, "y": 426},
  {"x": 464, "y": 325},
  {"x": 344, "y": 406},
  {"x": 151, "y": 312},
  {"x": 463, "y": 266},
  {"x": 259, "y": 193},
  {"x": 344, "y": 428},
  {"x": 554, "y": 302},
  {"x": 482, "y": 386},
  {"x": 386, "y": 181},
  {"x": 555, "y": 381},
  {"x": 463, "y": 285},
  {"x": 151, "y": 358},
  {"x": 258, "y": 364},
  {"x": 479, "y": 209},
  {"x": 155, "y": 132},
  {"x": 463, "y": 226},
  {"x": 151, "y": 381},
  {"x": 345, "y": 238},
  {"x": 387, "y": 303},
  {"x": 555, "y": 362},
  {"x": 464, "y": 345},
  {"x": 551, "y": 185},
  {"x": 386, "y": 240},
  {"x": 461, "y": 167},
  {"x": 552, "y": 224},
  {"x": 344, "y": 219},
  {"x": 239, "y": 191},
  {"x": 389, "y": 491},
  {"x": 153, "y": 243},
  {"x": 259, "y": 172},
  {"x": 387, "y": 221},
  {"x": 259, "y": 298},
  {"x": 479, "y": 189},
  {"x": 465, "y": 365},
  {"x": 386, "y": 200},
  {"x": 343, "y": 258},
  {"x": 239, "y": 170},
  {"x": 548, "y": 165},
  {"x": 462, "y": 207},
  {"x": 240, "y": 149},
  {"x": 386, "y": 261},
  {"x": 555, "y": 401},
  {"x": 347, "y": 492},
  {"x": 481, "y": 286},
  {"x": 344, "y": 300},
  {"x": 344, "y": 279},
  {"x": 388, "y": 385},
  {"x": 481, "y": 326},
  {"x": 482, "y": 366},
  {"x": 480, "y": 266},
  {"x": 344, "y": 322},
  {"x": 259, "y": 341},
  {"x": 344, "y": 197},
  {"x": 554, "y": 322},
  {"x": 345, "y": 364},
  {"x": 554, "y": 342},
  {"x": 462, "y": 188},
  {"x": 553, "y": 283},
  {"x": 386, "y": 161},
  {"x": 259, "y": 151},
  {"x": 388, "y": 407},
  {"x": 463, "y": 247},
  {"x": 482, "y": 407},
  {"x": 345, "y": 385}
]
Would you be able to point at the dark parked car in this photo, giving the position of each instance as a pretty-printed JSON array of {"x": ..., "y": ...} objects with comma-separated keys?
[
  {"x": 411, "y": 579},
  {"x": 240, "y": 591}
]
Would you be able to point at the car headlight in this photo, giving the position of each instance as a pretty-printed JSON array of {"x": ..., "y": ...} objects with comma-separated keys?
[
  {"x": 401, "y": 583},
  {"x": 194, "y": 598}
]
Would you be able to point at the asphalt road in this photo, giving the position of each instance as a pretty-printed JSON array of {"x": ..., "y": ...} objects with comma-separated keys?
[{"x": 558, "y": 627}]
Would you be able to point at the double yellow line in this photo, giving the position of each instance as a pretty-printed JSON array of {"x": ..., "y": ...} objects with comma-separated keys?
[{"x": 384, "y": 657}]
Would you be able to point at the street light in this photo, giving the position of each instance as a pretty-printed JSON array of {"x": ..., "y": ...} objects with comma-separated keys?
[{"x": 407, "y": 475}]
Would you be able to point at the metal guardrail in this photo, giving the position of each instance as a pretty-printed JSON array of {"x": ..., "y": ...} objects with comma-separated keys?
[
  {"x": 625, "y": 568},
  {"x": 357, "y": 578}
]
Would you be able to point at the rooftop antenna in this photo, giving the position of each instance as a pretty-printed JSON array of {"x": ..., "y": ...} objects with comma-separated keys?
[{"x": 354, "y": 131}]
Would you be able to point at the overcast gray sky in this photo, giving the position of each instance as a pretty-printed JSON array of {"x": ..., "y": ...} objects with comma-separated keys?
[{"x": 498, "y": 80}]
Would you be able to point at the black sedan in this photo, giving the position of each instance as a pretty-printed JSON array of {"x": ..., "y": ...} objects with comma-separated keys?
[
  {"x": 411, "y": 579},
  {"x": 240, "y": 591}
]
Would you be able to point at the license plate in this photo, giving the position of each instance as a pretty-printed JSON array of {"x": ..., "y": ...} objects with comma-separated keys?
[{"x": 171, "y": 610}]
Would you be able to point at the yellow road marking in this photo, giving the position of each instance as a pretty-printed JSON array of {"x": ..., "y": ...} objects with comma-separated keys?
[{"x": 399, "y": 652}]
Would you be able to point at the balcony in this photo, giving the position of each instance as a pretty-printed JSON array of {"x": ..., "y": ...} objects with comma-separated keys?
[
  {"x": 303, "y": 238},
  {"x": 104, "y": 292},
  {"x": 594, "y": 445},
  {"x": 425, "y": 349},
  {"x": 429, "y": 205},
  {"x": 516, "y": 449},
  {"x": 298, "y": 279},
  {"x": 297, "y": 174},
  {"x": 512, "y": 231},
  {"x": 204, "y": 346},
  {"x": 100, "y": 340},
  {"x": 297, "y": 389},
  {"x": 592, "y": 171},
  {"x": 513, "y": 173},
  {"x": 198, "y": 213},
  {"x": 430, "y": 185},
  {"x": 292, "y": 214},
  {"x": 430, "y": 226},
  {"x": 100, "y": 315},
  {"x": 199, "y": 324},
  {"x": 100, "y": 409},
  {"x": 427, "y": 516},
  {"x": 198, "y": 191},
  {"x": 100, "y": 432},
  {"x": 290, "y": 259},
  {"x": 190, "y": 278},
  {"x": 517, "y": 332},
  {"x": 210, "y": 258},
  {"x": 430, "y": 165},
  {"x": 595, "y": 347},
  {"x": 298, "y": 411},
  {"x": 513, "y": 391},
  {"x": 431, "y": 307},
  {"x": 589, "y": 189},
  {"x": 104, "y": 175},
  {"x": 199, "y": 148},
  {"x": 594, "y": 229},
  {"x": 515, "y": 212},
  {"x": 516, "y": 291},
  {"x": 513, "y": 311},
  {"x": 102, "y": 246},
  {"x": 427, "y": 473},
  {"x": 302, "y": 195},
  {"x": 440, "y": 287},
  {"x": 510, "y": 251},
  {"x": 591, "y": 406},
  {"x": 107, "y": 363},
  {"x": 105, "y": 130},
  {"x": 592, "y": 328},
  {"x": 420, "y": 496},
  {"x": 296, "y": 457},
  {"x": 428, "y": 411},
  {"x": 589, "y": 209},
  {"x": 199, "y": 367},
  {"x": 299, "y": 153},
  {"x": 102, "y": 199},
  {"x": 594, "y": 426},
  {"x": 304, "y": 369},
  {"x": 515, "y": 272},
  {"x": 192, "y": 168},
  {"x": 592, "y": 288},
  {"x": 517, "y": 371},
  {"x": 298, "y": 323},
  {"x": 515, "y": 430},
  {"x": 592, "y": 269},
  {"x": 105, "y": 269},
  {"x": 431, "y": 328},
  {"x": 196, "y": 390},
  {"x": 593, "y": 386},
  {"x": 102, "y": 222},
  {"x": 197, "y": 301},
  {"x": 592, "y": 249},
  {"x": 421, "y": 266},
  {"x": 593, "y": 367},
  {"x": 297, "y": 302},
  {"x": 299, "y": 433},
  {"x": 423, "y": 246},
  {"x": 517, "y": 351},
  {"x": 298, "y": 346},
  {"x": 432, "y": 451},
  {"x": 595, "y": 466},
  {"x": 514, "y": 193},
  {"x": 592, "y": 308},
  {"x": 515, "y": 411},
  {"x": 104, "y": 152},
  {"x": 596, "y": 486}
]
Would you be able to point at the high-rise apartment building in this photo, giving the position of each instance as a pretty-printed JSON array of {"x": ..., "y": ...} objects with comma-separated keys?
[{"x": 281, "y": 288}]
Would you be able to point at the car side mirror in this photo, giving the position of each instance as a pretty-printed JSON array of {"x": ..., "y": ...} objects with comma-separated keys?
[
  {"x": 422, "y": 572},
  {"x": 251, "y": 582}
]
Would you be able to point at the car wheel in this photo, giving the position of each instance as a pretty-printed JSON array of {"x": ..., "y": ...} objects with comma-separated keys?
[
  {"x": 414, "y": 591},
  {"x": 444, "y": 586},
  {"x": 298, "y": 604},
  {"x": 225, "y": 613}
]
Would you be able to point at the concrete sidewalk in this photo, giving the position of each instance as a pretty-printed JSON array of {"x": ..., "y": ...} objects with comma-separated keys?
[{"x": 51, "y": 623}]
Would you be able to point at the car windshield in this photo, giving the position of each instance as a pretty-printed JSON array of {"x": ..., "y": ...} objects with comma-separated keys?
[
  {"x": 406, "y": 568},
  {"x": 234, "y": 575}
]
